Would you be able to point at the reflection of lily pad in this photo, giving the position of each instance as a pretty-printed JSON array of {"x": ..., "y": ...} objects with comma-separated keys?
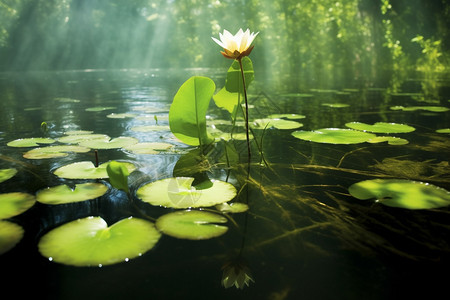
[
  {"x": 10, "y": 235},
  {"x": 427, "y": 108},
  {"x": 87, "y": 170},
  {"x": 13, "y": 204},
  {"x": 6, "y": 174},
  {"x": 119, "y": 142},
  {"x": 30, "y": 142},
  {"x": 62, "y": 194},
  {"x": 381, "y": 127},
  {"x": 90, "y": 242},
  {"x": 148, "y": 148},
  {"x": 401, "y": 193},
  {"x": 334, "y": 136},
  {"x": 54, "y": 151},
  {"x": 191, "y": 224},
  {"x": 277, "y": 123},
  {"x": 77, "y": 138},
  {"x": 178, "y": 192}
]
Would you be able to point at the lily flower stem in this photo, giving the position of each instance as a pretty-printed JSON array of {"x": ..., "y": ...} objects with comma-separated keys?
[{"x": 246, "y": 110}]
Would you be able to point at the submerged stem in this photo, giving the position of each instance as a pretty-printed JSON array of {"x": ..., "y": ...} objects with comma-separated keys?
[{"x": 246, "y": 110}]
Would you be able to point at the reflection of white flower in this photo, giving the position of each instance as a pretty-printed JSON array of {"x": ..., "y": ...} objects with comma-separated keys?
[
  {"x": 236, "y": 273},
  {"x": 238, "y": 45}
]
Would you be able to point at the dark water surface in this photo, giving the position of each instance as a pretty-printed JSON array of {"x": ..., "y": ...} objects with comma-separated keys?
[{"x": 305, "y": 237}]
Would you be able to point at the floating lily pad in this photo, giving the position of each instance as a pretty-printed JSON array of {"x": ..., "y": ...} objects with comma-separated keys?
[
  {"x": 335, "y": 105},
  {"x": 119, "y": 142},
  {"x": 381, "y": 127},
  {"x": 10, "y": 235},
  {"x": 13, "y": 204},
  {"x": 63, "y": 194},
  {"x": 54, "y": 151},
  {"x": 287, "y": 116},
  {"x": 236, "y": 207},
  {"x": 90, "y": 242},
  {"x": 277, "y": 123},
  {"x": 6, "y": 174},
  {"x": 427, "y": 108},
  {"x": 30, "y": 142},
  {"x": 334, "y": 136},
  {"x": 192, "y": 225},
  {"x": 148, "y": 128},
  {"x": 444, "y": 130},
  {"x": 78, "y": 138},
  {"x": 100, "y": 108},
  {"x": 120, "y": 116},
  {"x": 87, "y": 170},
  {"x": 78, "y": 132},
  {"x": 401, "y": 193},
  {"x": 149, "y": 148},
  {"x": 178, "y": 192},
  {"x": 67, "y": 100},
  {"x": 390, "y": 139}
]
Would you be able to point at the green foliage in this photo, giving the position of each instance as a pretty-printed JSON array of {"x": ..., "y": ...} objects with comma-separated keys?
[
  {"x": 118, "y": 175},
  {"x": 231, "y": 96},
  {"x": 187, "y": 115}
]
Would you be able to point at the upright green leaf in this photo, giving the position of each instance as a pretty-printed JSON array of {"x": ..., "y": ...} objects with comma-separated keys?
[
  {"x": 118, "y": 175},
  {"x": 187, "y": 115},
  {"x": 231, "y": 95}
]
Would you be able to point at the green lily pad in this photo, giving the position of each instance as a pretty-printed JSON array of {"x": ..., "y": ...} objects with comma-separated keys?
[
  {"x": 148, "y": 148},
  {"x": 6, "y": 174},
  {"x": 90, "y": 242},
  {"x": 236, "y": 207},
  {"x": 120, "y": 116},
  {"x": 390, "y": 139},
  {"x": 10, "y": 235},
  {"x": 148, "y": 128},
  {"x": 78, "y": 138},
  {"x": 178, "y": 192},
  {"x": 334, "y": 136},
  {"x": 443, "y": 130},
  {"x": 277, "y": 123},
  {"x": 54, "y": 151},
  {"x": 66, "y": 100},
  {"x": 335, "y": 105},
  {"x": 63, "y": 194},
  {"x": 13, "y": 204},
  {"x": 401, "y": 193},
  {"x": 427, "y": 108},
  {"x": 78, "y": 132},
  {"x": 99, "y": 108},
  {"x": 191, "y": 224},
  {"x": 287, "y": 116},
  {"x": 87, "y": 170},
  {"x": 381, "y": 127},
  {"x": 30, "y": 142},
  {"x": 119, "y": 142}
]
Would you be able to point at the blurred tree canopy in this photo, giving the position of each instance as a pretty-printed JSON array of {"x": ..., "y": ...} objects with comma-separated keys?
[{"x": 302, "y": 40}]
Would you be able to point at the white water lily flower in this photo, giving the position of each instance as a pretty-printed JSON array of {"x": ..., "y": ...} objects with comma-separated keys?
[{"x": 236, "y": 46}]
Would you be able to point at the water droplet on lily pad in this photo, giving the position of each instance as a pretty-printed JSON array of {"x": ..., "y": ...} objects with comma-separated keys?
[
  {"x": 63, "y": 194},
  {"x": 381, "y": 127},
  {"x": 30, "y": 142},
  {"x": 87, "y": 170},
  {"x": 192, "y": 225},
  {"x": 91, "y": 242},
  {"x": 334, "y": 136},
  {"x": 6, "y": 174},
  {"x": 13, "y": 204},
  {"x": 10, "y": 235},
  {"x": 401, "y": 193},
  {"x": 178, "y": 192},
  {"x": 54, "y": 151},
  {"x": 119, "y": 142}
]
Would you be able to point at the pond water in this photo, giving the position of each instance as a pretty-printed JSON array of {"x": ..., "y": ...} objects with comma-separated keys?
[{"x": 303, "y": 237}]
